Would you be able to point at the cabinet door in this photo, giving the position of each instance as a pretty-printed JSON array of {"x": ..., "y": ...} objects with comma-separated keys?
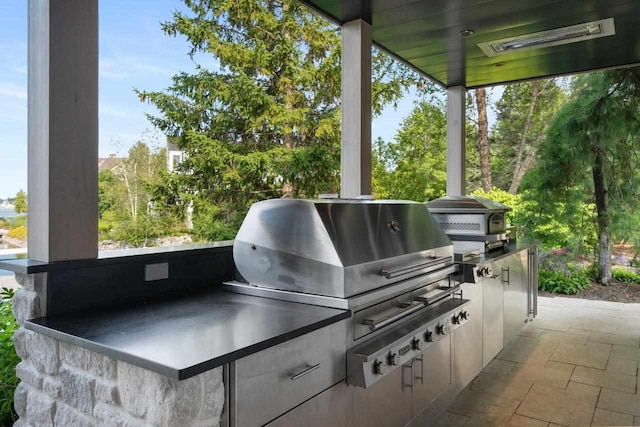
[
  {"x": 467, "y": 340},
  {"x": 431, "y": 374},
  {"x": 332, "y": 407},
  {"x": 515, "y": 281},
  {"x": 273, "y": 381},
  {"x": 387, "y": 403},
  {"x": 492, "y": 315}
]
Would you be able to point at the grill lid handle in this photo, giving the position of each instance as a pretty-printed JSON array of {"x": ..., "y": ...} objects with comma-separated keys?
[
  {"x": 405, "y": 310},
  {"x": 396, "y": 272}
]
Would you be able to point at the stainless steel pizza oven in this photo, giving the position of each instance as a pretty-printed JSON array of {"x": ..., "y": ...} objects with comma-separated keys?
[{"x": 472, "y": 222}]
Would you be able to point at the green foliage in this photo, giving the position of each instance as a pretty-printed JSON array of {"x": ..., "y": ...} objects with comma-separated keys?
[
  {"x": 266, "y": 122},
  {"x": 568, "y": 223},
  {"x": 559, "y": 272},
  {"x": 20, "y": 202},
  {"x": 587, "y": 174},
  {"x": 8, "y": 359},
  {"x": 563, "y": 283},
  {"x": 413, "y": 166},
  {"x": 623, "y": 275},
  {"x": 16, "y": 221},
  {"x": 18, "y": 233},
  {"x": 125, "y": 203},
  {"x": 523, "y": 114},
  {"x": 504, "y": 197}
]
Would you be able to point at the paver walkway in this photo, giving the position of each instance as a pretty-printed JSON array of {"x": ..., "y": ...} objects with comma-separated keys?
[{"x": 575, "y": 365}]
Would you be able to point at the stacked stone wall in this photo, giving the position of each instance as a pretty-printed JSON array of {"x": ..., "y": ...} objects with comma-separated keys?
[{"x": 66, "y": 385}]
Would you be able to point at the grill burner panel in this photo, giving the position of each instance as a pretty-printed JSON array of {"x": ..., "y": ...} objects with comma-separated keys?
[{"x": 371, "y": 361}]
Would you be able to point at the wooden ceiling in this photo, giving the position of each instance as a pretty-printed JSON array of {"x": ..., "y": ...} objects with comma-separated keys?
[{"x": 426, "y": 35}]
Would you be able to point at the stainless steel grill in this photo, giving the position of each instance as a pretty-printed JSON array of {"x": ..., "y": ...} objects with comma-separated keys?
[
  {"x": 389, "y": 262},
  {"x": 338, "y": 248}
]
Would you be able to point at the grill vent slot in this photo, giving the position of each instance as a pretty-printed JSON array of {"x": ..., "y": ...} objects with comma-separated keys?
[{"x": 466, "y": 226}]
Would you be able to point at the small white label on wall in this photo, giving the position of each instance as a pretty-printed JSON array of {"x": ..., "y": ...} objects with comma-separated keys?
[{"x": 156, "y": 271}]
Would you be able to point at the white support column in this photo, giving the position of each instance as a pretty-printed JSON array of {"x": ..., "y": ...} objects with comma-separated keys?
[
  {"x": 456, "y": 175},
  {"x": 63, "y": 129},
  {"x": 356, "y": 109}
]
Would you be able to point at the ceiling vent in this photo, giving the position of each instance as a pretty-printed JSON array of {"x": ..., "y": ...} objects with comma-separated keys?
[{"x": 555, "y": 37}]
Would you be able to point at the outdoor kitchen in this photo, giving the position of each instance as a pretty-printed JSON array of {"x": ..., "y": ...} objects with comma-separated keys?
[{"x": 345, "y": 312}]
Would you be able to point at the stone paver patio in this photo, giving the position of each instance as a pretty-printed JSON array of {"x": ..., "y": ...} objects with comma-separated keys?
[{"x": 575, "y": 365}]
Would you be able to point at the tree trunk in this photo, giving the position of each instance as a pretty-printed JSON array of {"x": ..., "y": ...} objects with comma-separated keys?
[
  {"x": 483, "y": 135},
  {"x": 602, "y": 209},
  {"x": 523, "y": 164}
]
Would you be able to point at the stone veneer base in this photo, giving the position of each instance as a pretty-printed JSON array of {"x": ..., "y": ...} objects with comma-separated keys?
[{"x": 66, "y": 385}]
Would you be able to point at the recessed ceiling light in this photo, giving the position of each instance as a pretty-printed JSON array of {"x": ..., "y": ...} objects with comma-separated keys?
[
  {"x": 555, "y": 37},
  {"x": 467, "y": 33}
]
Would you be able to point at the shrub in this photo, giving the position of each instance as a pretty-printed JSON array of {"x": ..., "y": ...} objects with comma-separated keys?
[
  {"x": 17, "y": 221},
  {"x": 622, "y": 275},
  {"x": 563, "y": 282},
  {"x": 503, "y": 197},
  {"x": 592, "y": 272},
  {"x": 18, "y": 233},
  {"x": 8, "y": 359}
]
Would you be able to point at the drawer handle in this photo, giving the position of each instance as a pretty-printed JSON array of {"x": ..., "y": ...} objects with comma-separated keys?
[{"x": 305, "y": 372}]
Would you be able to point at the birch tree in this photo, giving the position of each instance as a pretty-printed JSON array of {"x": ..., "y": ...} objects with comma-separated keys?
[{"x": 524, "y": 112}]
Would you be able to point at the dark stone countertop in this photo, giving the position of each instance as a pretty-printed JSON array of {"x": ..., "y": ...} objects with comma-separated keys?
[
  {"x": 190, "y": 335},
  {"x": 498, "y": 254}
]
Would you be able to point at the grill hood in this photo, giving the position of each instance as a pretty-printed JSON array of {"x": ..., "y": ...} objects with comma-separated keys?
[
  {"x": 338, "y": 247},
  {"x": 465, "y": 204}
]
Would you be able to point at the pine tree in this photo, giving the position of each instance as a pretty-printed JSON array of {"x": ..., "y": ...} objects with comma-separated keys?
[
  {"x": 592, "y": 155},
  {"x": 265, "y": 122}
]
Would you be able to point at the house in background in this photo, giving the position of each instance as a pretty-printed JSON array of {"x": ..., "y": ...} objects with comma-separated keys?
[
  {"x": 175, "y": 156},
  {"x": 109, "y": 163}
]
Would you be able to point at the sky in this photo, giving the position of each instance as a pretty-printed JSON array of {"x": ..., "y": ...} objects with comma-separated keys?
[{"x": 134, "y": 53}]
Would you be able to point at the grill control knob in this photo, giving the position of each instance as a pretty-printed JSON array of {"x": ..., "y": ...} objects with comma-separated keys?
[
  {"x": 485, "y": 271},
  {"x": 464, "y": 315},
  {"x": 442, "y": 329},
  {"x": 378, "y": 367},
  {"x": 456, "y": 319},
  {"x": 428, "y": 336},
  {"x": 416, "y": 344},
  {"x": 394, "y": 359}
]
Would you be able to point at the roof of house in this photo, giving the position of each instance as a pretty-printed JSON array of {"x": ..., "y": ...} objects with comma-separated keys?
[{"x": 108, "y": 163}]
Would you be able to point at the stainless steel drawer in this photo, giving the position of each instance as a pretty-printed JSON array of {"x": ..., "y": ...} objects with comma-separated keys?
[
  {"x": 273, "y": 381},
  {"x": 333, "y": 407}
]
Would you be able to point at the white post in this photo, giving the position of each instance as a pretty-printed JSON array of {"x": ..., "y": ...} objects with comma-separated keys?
[
  {"x": 356, "y": 109},
  {"x": 456, "y": 176},
  {"x": 63, "y": 129}
]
